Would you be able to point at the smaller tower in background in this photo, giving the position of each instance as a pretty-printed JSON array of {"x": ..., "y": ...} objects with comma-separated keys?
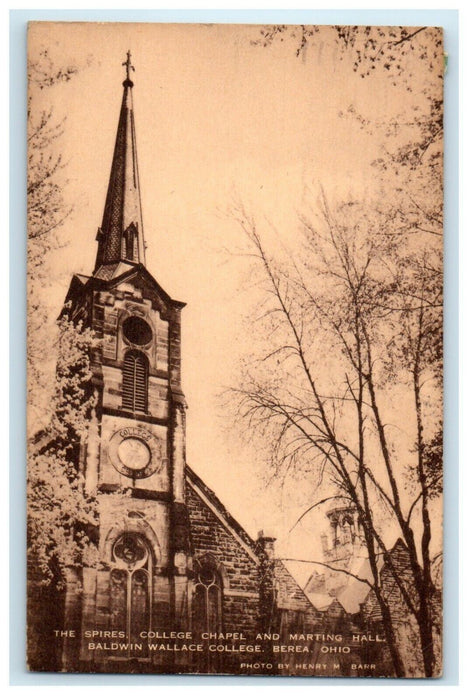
[{"x": 343, "y": 548}]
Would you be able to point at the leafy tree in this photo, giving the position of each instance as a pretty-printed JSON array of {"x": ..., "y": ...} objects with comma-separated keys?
[
  {"x": 61, "y": 514},
  {"x": 62, "y": 510},
  {"x": 47, "y": 212}
]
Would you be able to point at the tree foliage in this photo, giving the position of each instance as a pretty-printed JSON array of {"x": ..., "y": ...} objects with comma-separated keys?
[
  {"x": 370, "y": 48},
  {"x": 412, "y": 60},
  {"x": 61, "y": 513},
  {"x": 47, "y": 211}
]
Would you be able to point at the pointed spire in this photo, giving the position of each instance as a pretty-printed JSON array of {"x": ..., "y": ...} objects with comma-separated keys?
[{"x": 121, "y": 234}]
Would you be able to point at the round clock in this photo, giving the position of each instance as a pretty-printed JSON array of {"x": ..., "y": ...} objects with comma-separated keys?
[{"x": 135, "y": 452}]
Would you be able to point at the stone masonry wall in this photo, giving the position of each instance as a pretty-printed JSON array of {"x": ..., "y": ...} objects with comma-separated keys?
[{"x": 239, "y": 569}]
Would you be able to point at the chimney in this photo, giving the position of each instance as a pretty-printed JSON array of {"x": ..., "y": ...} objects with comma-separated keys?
[{"x": 265, "y": 550}]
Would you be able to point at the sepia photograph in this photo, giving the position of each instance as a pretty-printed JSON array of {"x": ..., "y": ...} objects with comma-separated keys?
[{"x": 235, "y": 351}]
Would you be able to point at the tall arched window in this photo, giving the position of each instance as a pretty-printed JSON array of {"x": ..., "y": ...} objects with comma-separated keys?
[
  {"x": 130, "y": 586},
  {"x": 135, "y": 382},
  {"x": 207, "y": 607}
]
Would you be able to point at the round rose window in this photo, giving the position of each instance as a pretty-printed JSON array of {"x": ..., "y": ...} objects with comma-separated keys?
[{"x": 137, "y": 331}]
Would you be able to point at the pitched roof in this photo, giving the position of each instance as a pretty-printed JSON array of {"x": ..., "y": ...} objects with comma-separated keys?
[
  {"x": 290, "y": 593},
  {"x": 108, "y": 276},
  {"x": 219, "y": 509}
]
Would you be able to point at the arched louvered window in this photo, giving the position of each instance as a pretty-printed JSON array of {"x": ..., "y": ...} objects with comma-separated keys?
[{"x": 135, "y": 382}]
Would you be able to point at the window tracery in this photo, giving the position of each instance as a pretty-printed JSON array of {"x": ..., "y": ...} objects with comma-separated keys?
[
  {"x": 130, "y": 585},
  {"x": 207, "y": 605}
]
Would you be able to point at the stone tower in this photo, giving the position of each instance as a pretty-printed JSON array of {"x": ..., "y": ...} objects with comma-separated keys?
[
  {"x": 134, "y": 460},
  {"x": 344, "y": 549}
]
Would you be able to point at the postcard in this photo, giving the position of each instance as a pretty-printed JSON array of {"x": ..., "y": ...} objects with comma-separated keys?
[{"x": 235, "y": 349}]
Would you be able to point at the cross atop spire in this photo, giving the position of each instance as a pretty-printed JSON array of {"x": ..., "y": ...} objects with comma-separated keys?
[
  {"x": 120, "y": 238},
  {"x": 128, "y": 66}
]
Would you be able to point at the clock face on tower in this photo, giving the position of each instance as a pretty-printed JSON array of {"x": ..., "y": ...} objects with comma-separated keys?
[{"x": 135, "y": 452}]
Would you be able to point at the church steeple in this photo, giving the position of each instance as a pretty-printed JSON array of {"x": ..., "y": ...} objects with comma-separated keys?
[{"x": 120, "y": 237}]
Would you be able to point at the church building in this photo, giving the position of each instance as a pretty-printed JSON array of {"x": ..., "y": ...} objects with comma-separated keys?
[{"x": 176, "y": 572}]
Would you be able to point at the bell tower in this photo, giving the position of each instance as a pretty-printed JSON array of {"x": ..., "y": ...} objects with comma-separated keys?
[{"x": 134, "y": 459}]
